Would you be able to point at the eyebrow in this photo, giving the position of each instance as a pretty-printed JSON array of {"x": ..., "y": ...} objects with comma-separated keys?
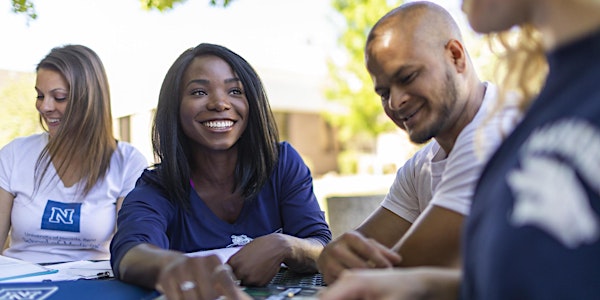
[
  {"x": 205, "y": 81},
  {"x": 53, "y": 90}
]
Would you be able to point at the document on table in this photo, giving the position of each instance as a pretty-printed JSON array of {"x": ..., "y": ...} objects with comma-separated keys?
[
  {"x": 12, "y": 268},
  {"x": 74, "y": 270},
  {"x": 223, "y": 253}
]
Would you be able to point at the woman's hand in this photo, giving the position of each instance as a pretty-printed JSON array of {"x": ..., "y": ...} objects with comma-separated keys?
[
  {"x": 260, "y": 260},
  {"x": 395, "y": 284},
  {"x": 192, "y": 278}
]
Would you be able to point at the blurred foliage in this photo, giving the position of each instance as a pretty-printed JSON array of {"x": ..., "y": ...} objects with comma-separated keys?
[
  {"x": 351, "y": 86},
  {"x": 24, "y": 7},
  {"x": 163, "y": 5},
  {"x": 17, "y": 98},
  {"x": 27, "y": 6}
]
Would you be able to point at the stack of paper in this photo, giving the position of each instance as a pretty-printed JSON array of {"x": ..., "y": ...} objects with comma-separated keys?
[{"x": 11, "y": 268}]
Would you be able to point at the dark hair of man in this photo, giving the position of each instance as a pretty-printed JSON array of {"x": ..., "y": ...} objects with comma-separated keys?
[
  {"x": 84, "y": 142},
  {"x": 257, "y": 147}
]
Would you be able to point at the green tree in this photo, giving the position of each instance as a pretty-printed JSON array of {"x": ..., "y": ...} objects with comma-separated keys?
[
  {"x": 20, "y": 118},
  {"x": 27, "y": 7},
  {"x": 352, "y": 87}
]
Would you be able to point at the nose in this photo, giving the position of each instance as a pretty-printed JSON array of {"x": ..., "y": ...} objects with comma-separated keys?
[
  {"x": 219, "y": 102},
  {"x": 397, "y": 98},
  {"x": 46, "y": 105}
]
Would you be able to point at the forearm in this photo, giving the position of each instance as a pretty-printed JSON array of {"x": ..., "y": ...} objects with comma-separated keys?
[
  {"x": 302, "y": 254},
  {"x": 6, "y": 203},
  {"x": 441, "y": 283},
  {"x": 384, "y": 226},
  {"x": 433, "y": 240},
  {"x": 143, "y": 263}
]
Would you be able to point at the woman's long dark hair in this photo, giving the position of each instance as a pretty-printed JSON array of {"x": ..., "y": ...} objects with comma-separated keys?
[{"x": 257, "y": 147}]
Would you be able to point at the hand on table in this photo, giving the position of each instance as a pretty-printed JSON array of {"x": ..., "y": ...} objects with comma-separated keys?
[
  {"x": 203, "y": 277},
  {"x": 395, "y": 284},
  {"x": 259, "y": 261},
  {"x": 354, "y": 251}
]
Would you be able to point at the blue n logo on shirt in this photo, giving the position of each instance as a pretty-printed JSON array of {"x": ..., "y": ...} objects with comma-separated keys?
[{"x": 61, "y": 216}]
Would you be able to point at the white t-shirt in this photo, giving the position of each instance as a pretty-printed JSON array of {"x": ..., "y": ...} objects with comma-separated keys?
[
  {"x": 431, "y": 178},
  {"x": 52, "y": 223}
]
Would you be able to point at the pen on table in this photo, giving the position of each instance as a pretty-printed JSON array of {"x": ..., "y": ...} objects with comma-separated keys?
[
  {"x": 101, "y": 275},
  {"x": 288, "y": 293}
]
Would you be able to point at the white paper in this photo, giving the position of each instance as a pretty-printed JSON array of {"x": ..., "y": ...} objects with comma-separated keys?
[{"x": 223, "y": 253}]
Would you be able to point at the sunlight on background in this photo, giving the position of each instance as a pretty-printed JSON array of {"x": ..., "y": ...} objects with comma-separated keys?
[{"x": 290, "y": 37}]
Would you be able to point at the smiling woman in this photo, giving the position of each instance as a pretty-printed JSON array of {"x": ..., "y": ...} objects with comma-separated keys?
[
  {"x": 60, "y": 190},
  {"x": 224, "y": 180}
]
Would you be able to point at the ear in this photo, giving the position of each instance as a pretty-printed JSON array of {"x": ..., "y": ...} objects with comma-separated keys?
[{"x": 458, "y": 55}]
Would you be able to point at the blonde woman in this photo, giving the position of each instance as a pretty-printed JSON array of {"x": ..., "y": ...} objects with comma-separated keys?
[
  {"x": 534, "y": 227},
  {"x": 60, "y": 190},
  {"x": 534, "y": 232}
]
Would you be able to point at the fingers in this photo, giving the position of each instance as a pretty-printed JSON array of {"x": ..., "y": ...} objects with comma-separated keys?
[
  {"x": 384, "y": 257},
  {"x": 353, "y": 251},
  {"x": 187, "y": 278},
  {"x": 225, "y": 284},
  {"x": 346, "y": 288}
]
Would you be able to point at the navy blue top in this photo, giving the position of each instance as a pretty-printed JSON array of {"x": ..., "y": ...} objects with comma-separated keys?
[
  {"x": 285, "y": 204},
  {"x": 534, "y": 230}
]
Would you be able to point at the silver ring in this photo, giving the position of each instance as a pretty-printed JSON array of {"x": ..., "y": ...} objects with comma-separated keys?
[{"x": 186, "y": 286}]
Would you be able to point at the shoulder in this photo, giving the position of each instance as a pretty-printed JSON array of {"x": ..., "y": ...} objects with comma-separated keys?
[
  {"x": 26, "y": 145},
  {"x": 126, "y": 149},
  {"x": 287, "y": 152},
  {"x": 148, "y": 183},
  {"x": 130, "y": 154},
  {"x": 39, "y": 138}
]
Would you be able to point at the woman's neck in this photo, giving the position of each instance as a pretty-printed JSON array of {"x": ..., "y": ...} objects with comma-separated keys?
[
  {"x": 214, "y": 167},
  {"x": 562, "y": 22}
]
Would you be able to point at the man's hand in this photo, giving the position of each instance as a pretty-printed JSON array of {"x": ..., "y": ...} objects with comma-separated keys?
[{"x": 353, "y": 251}]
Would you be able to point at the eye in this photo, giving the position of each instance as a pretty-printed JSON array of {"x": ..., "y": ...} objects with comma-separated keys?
[
  {"x": 384, "y": 94},
  {"x": 409, "y": 78},
  {"x": 60, "y": 99},
  {"x": 236, "y": 91},
  {"x": 198, "y": 92},
  {"x": 39, "y": 97}
]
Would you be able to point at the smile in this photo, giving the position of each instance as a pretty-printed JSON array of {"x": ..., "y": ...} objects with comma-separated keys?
[
  {"x": 410, "y": 116},
  {"x": 221, "y": 124}
]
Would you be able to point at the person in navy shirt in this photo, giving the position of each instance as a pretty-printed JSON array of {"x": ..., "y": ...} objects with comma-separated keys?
[
  {"x": 534, "y": 230},
  {"x": 224, "y": 180}
]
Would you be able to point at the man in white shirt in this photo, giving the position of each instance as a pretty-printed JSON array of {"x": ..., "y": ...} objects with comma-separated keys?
[{"x": 429, "y": 88}]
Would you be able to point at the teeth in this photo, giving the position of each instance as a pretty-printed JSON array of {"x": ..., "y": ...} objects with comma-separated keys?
[
  {"x": 53, "y": 120},
  {"x": 218, "y": 124}
]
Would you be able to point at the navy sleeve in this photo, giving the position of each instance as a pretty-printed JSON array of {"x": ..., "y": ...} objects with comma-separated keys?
[
  {"x": 300, "y": 211},
  {"x": 143, "y": 218}
]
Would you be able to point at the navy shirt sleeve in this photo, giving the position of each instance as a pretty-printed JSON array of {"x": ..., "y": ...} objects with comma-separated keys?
[
  {"x": 143, "y": 218},
  {"x": 300, "y": 211}
]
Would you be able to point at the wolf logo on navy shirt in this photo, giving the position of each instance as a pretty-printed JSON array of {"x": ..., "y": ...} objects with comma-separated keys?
[{"x": 61, "y": 216}]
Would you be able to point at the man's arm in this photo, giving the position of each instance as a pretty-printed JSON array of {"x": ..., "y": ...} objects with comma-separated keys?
[
  {"x": 367, "y": 247},
  {"x": 384, "y": 226},
  {"x": 433, "y": 240}
]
